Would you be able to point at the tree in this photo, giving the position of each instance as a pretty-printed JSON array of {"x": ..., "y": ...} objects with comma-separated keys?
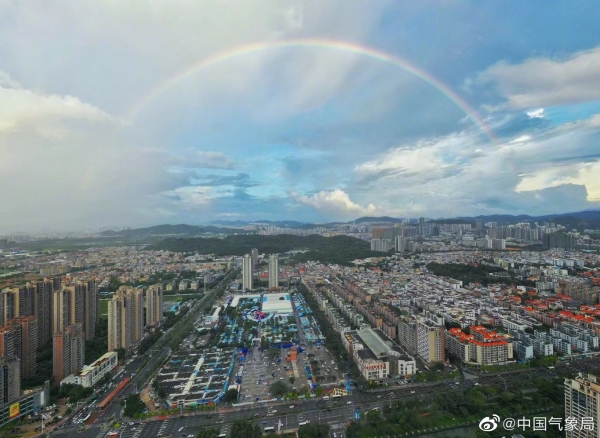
[
  {"x": 292, "y": 380},
  {"x": 245, "y": 429},
  {"x": 212, "y": 432},
  {"x": 230, "y": 396},
  {"x": 133, "y": 405},
  {"x": 373, "y": 416},
  {"x": 121, "y": 353},
  {"x": 313, "y": 431},
  {"x": 278, "y": 389},
  {"x": 318, "y": 391}
]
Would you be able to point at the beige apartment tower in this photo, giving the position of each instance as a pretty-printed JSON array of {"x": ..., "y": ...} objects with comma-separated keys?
[
  {"x": 154, "y": 305},
  {"x": 125, "y": 318}
]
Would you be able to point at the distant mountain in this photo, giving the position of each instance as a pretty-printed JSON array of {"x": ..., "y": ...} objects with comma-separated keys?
[
  {"x": 590, "y": 215},
  {"x": 281, "y": 224},
  {"x": 168, "y": 230},
  {"x": 230, "y": 223},
  {"x": 579, "y": 220},
  {"x": 361, "y": 220}
]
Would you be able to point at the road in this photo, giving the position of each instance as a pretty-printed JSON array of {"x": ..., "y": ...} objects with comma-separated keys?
[{"x": 332, "y": 412}]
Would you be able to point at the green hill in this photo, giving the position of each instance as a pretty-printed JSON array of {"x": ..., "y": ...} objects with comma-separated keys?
[{"x": 336, "y": 249}]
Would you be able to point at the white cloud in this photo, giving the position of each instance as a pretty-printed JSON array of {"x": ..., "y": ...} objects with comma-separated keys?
[
  {"x": 336, "y": 202},
  {"x": 24, "y": 109},
  {"x": 190, "y": 196},
  {"x": 444, "y": 177},
  {"x": 585, "y": 174},
  {"x": 521, "y": 139},
  {"x": 542, "y": 82},
  {"x": 536, "y": 114}
]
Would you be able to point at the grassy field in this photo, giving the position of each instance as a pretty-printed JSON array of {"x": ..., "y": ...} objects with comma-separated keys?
[{"x": 104, "y": 307}]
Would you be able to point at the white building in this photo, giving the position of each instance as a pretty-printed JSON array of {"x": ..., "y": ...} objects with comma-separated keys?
[
  {"x": 273, "y": 271},
  {"x": 381, "y": 245},
  {"x": 91, "y": 374},
  {"x": 247, "y": 272},
  {"x": 213, "y": 317}
]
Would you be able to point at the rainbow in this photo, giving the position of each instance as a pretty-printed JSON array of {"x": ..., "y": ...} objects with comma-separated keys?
[{"x": 313, "y": 44}]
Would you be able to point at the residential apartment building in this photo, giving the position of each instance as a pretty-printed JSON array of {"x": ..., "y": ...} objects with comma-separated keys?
[
  {"x": 582, "y": 401},
  {"x": 10, "y": 379},
  {"x": 43, "y": 301},
  {"x": 154, "y": 305},
  {"x": 381, "y": 245},
  {"x": 26, "y": 344},
  {"x": 480, "y": 347},
  {"x": 68, "y": 351},
  {"x": 125, "y": 318}
]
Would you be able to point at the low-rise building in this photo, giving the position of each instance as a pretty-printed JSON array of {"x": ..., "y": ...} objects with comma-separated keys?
[
  {"x": 377, "y": 356},
  {"x": 92, "y": 373}
]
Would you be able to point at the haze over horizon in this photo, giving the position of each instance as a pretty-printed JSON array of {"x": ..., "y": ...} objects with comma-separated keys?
[{"x": 173, "y": 112}]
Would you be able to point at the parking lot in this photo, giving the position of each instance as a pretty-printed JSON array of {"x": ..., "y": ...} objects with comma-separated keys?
[
  {"x": 258, "y": 375},
  {"x": 263, "y": 368},
  {"x": 195, "y": 377}
]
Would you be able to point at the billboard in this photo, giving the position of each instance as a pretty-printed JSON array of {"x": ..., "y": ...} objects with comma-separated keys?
[{"x": 14, "y": 410}]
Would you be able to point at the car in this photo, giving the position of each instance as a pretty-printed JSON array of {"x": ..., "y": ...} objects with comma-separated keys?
[
  {"x": 378, "y": 396},
  {"x": 412, "y": 392},
  {"x": 349, "y": 403}
]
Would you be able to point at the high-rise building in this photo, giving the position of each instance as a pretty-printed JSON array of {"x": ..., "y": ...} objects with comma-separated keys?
[
  {"x": 17, "y": 301},
  {"x": 42, "y": 309},
  {"x": 582, "y": 403},
  {"x": 117, "y": 323},
  {"x": 381, "y": 245},
  {"x": 125, "y": 318},
  {"x": 10, "y": 379},
  {"x": 61, "y": 309},
  {"x": 273, "y": 271},
  {"x": 9, "y": 341},
  {"x": 154, "y": 303},
  {"x": 76, "y": 297},
  {"x": 430, "y": 339},
  {"x": 91, "y": 309},
  {"x": 247, "y": 272},
  {"x": 254, "y": 255},
  {"x": 401, "y": 244},
  {"x": 137, "y": 313},
  {"x": 68, "y": 352},
  {"x": 26, "y": 344}
]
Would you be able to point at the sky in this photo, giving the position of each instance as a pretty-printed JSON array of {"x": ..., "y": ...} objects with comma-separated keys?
[{"x": 116, "y": 114}]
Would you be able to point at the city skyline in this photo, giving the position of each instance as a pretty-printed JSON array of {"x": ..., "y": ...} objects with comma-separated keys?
[{"x": 155, "y": 113}]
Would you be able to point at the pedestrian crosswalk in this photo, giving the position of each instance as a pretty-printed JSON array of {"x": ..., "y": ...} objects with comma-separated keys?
[
  {"x": 225, "y": 427},
  {"x": 164, "y": 427}
]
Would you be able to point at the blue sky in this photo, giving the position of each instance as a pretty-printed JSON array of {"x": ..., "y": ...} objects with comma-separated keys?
[{"x": 302, "y": 133}]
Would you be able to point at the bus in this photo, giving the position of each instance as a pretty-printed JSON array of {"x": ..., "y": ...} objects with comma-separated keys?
[
  {"x": 326, "y": 397},
  {"x": 302, "y": 423},
  {"x": 180, "y": 429},
  {"x": 269, "y": 429}
]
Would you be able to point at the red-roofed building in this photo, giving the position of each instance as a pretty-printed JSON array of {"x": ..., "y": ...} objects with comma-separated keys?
[{"x": 481, "y": 347}]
